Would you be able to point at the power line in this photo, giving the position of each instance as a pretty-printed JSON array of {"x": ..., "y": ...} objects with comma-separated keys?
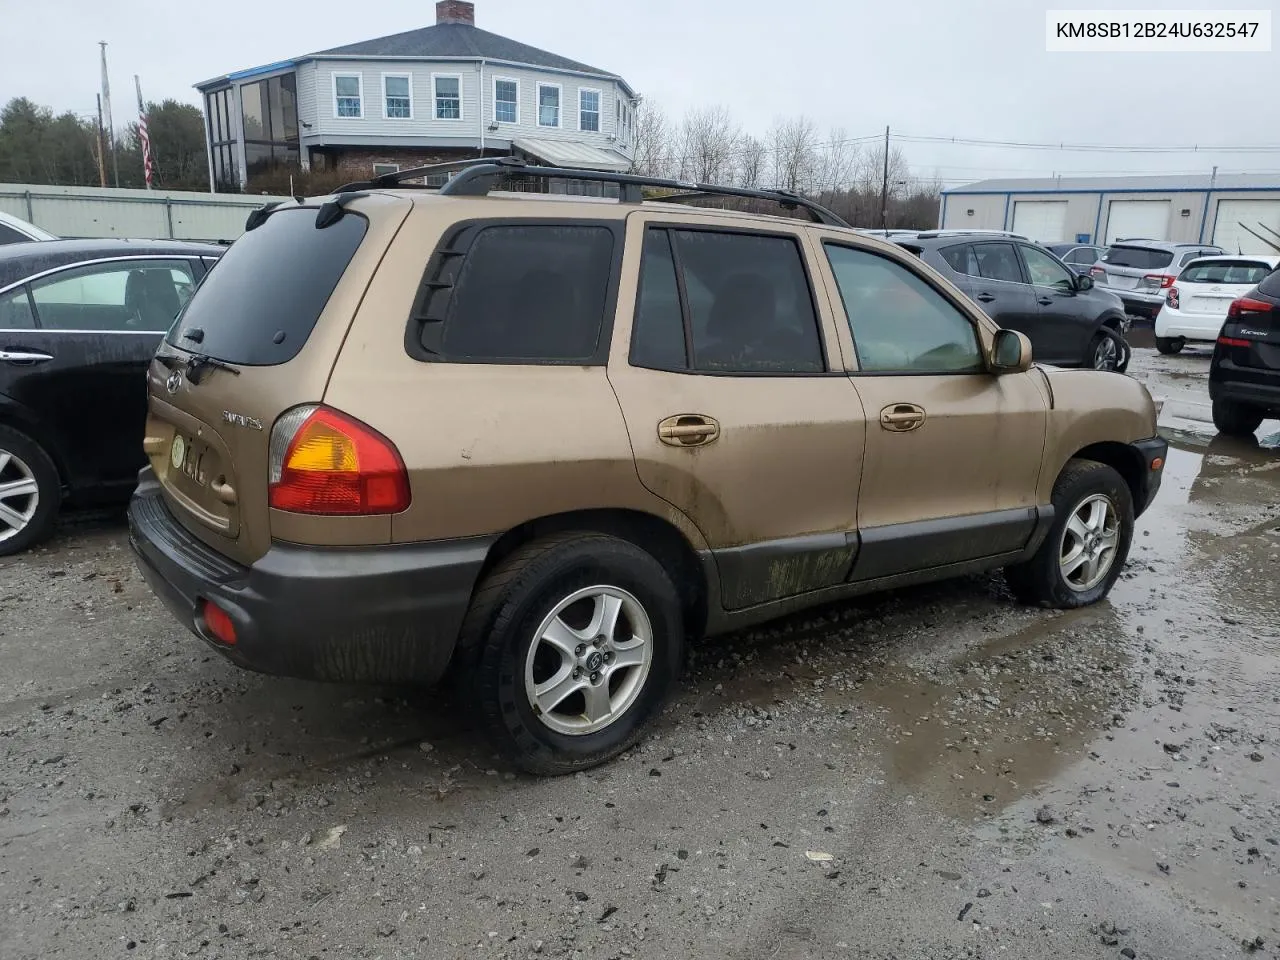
[{"x": 1096, "y": 147}]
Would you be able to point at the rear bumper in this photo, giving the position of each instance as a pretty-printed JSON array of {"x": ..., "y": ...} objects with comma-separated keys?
[
  {"x": 1239, "y": 385},
  {"x": 386, "y": 614},
  {"x": 1189, "y": 326},
  {"x": 1156, "y": 448}
]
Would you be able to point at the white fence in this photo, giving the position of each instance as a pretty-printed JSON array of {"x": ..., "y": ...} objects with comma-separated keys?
[{"x": 135, "y": 214}]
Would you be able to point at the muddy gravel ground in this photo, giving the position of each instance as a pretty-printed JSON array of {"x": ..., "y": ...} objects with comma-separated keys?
[{"x": 935, "y": 773}]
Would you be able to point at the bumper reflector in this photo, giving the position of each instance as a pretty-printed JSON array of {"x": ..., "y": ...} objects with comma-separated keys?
[{"x": 218, "y": 622}]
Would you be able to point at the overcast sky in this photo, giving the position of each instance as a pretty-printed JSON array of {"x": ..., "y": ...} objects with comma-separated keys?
[{"x": 941, "y": 68}]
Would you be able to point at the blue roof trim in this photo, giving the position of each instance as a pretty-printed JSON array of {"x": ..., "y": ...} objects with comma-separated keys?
[
  {"x": 961, "y": 192},
  {"x": 255, "y": 71}
]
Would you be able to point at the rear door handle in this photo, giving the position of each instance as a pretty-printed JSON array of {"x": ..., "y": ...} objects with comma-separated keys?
[
  {"x": 986, "y": 297},
  {"x": 1045, "y": 301},
  {"x": 901, "y": 417},
  {"x": 688, "y": 430},
  {"x": 19, "y": 355}
]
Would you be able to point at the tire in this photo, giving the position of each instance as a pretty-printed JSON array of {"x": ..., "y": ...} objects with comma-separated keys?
[
  {"x": 26, "y": 518},
  {"x": 1041, "y": 580},
  {"x": 1236, "y": 419},
  {"x": 1108, "y": 350},
  {"x": 503, "y": 640},
  {"x": 1170, "y": 345}
]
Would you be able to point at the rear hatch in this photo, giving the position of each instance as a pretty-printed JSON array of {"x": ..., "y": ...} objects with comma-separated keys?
[
  {"x": 1128, "y": 266},
  {"x": 1210, "y": 286},
  {"x": 1251, "y": 336},
  {"x": 259, "y": 337}
]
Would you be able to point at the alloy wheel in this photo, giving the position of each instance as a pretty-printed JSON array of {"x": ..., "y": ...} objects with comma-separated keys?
[
  {"x": 1106, "y": 355},
  {"x": 589, "y": 660},
  {"x": 1089, "y": 543},
  {"x": 19, "y": 495}
]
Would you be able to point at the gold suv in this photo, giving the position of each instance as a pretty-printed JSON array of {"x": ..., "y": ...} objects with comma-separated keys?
[{"x": 540, "y": 442}]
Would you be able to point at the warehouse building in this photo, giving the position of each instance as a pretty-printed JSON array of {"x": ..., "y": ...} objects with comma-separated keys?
[{"x": 1233, "y": 211}]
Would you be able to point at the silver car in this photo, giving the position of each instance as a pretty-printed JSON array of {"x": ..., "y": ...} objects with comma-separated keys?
[{"x": 1140, "y": 272}]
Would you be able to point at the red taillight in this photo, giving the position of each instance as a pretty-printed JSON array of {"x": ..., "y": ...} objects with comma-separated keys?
[
  {"x": 1162, "y": 280},
  {"x": 1248, "y": 305},
  {"x": 1233, "y": 342},
  {"x": 325, "y": 462},
  {"x": 218, "y": 623},
  {"x": 1097, "y": 272},
  {"x": 1172, "y": 298}
]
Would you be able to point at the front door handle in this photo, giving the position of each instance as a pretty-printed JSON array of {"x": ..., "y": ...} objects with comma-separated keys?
[
  {"x": 986, "y": 297},
  {"x": 1045, "y": 301},
  {"x": 19, "y": 355},
  {"x": 688, "y": 430},
  {"x": 901, "y": 417}
]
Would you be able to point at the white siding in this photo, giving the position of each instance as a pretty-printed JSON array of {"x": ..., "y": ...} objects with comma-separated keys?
[{"x": 307, "y": 105}]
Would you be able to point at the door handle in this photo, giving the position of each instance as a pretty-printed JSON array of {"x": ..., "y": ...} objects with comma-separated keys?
[
  {"x": 688, "y": 430},
  {"x": 1045, "y": 301},
  {"x": 19, "y": 355},
  {"x": 901, "y": 417},
  {"x": 986, "y": 297}
]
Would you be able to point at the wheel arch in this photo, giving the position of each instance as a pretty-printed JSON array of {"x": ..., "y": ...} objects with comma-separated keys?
[
  {"x": 1124, "y": 459},
  {"x": 17, "y": 417}
]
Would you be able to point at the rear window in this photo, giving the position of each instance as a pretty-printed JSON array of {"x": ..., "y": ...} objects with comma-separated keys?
[
  {"x": 260, "y": 302},
  {"x": 1225, "y": 271},
  {"x": 1140, "y": 258}
]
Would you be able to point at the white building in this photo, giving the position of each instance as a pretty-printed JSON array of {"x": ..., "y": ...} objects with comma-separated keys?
[
  {"x": 445, "y": 92},
  {"x": 1230, "y": 210}
]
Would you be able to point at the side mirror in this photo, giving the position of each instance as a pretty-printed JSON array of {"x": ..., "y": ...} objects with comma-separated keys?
[
  {"x": 1084, "y": 282},
  {"x": 1011, "y": 352}
]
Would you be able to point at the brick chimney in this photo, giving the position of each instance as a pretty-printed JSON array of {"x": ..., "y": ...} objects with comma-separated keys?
[{"x": 456, "y": 11}]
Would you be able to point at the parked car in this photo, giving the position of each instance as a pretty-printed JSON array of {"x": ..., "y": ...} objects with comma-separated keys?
[
  {"x": 1140, "y": 272},
  {"x": 13, "y": 230},
  {"x": 1196, "y": 305},
  {"x": 957, "y": 232},
  {"x": 542, "y": 442},
  {"x": 79, "y": 322},
  {"x": 1079, "y": 257},
  {"x": 1023, "y": 287},
  {"x": 1244, "y": 376}
]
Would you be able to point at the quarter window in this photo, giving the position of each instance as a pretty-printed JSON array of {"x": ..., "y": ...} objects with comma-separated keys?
[
  {"x": 137, "y": 295},
  {"x": 398, "y": 101},
  {"x": 1046, "y": 271},
  {"x": 506, "y": 101},
  {"x": 548, "y": 105},
  {"x": 589, "y": 110},
  {"x": 899, "y": 323},
  {"x": 743, "y": 305},
  {"x": 997, "y": 261},
  {"x": 346, "y": 92},
  {"x": 448, "y": 97}
]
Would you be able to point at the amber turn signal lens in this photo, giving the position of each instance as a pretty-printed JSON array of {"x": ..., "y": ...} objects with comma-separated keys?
[{"x": 1157, "y": 463}]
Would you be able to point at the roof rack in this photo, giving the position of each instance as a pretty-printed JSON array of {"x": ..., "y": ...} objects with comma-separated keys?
[{"x": 478, "y": 176}]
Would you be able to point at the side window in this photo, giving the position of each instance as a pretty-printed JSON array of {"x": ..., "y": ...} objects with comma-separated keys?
[
  {"x": 900, "y": 324},
  {"x": 15, "y": 311},
  {"x": 10, "y": 235},
  {"x": 744, "y": 305},
  {"x": 961, "y": 260},
  {"x": 532, "y": 292},
  {"x": 1046, "y": 271},
  {"x": 129, "y": 296},
  {"x": 998, "y": 261}
]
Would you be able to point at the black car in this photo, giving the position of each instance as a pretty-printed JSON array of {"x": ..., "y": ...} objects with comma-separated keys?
[
  {"x": 1244, "y": 376},
  {"x": 1078, "y": 257},
  {"x": 79, "y": 323},
  {"x": 1023, "y": 287}
]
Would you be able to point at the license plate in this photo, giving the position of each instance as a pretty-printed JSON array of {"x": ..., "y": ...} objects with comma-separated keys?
[
  {"x": 1121, "y": 281},
  {"x": 184, "y": 456}
]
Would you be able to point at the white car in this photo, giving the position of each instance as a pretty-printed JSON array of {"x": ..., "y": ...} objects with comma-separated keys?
[
  {"x": 1196, "y": 305},
  {"x": 13, "y": 230}
]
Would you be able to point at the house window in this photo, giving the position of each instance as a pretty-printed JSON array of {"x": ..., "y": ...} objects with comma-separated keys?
[
  {"x": 448, "y": 93},
  {"x": 397, "y": 100},
  {"x": 548, "y": 105},
  {"x": 347, "y": 96},
  {"x": 589, "y": 110},
  {"x": 506, "y": 101},
  {"x": 382, "y": 168}
]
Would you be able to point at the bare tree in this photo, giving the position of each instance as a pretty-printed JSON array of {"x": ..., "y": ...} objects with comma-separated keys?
[
  {"x": 652, "y": 144},
  {"x": 707, "y": 145},
  {"x": 836, "y": 163},
  {"x": 793, "y": 143},
  {"x": 753, "y": 161}
]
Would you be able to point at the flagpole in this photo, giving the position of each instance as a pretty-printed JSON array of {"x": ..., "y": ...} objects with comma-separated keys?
[
  {"x": 106, "y": 109},
  {"x": 144, "y": 132}
]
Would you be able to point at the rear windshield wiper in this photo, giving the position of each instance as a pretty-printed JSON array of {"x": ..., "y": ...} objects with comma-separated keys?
[{"x": 198, "y": 363}]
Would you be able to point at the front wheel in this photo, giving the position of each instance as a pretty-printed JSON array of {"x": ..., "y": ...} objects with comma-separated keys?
[
  {"x": 576, "y": 638},
  {"x": 1086, "y": 546},
  {"x": 1170, "y": 345},
  {"x": 1108, "y": 351},
  {"x": 30, "y": 492},
  {"x": 1236, "y": 419}
]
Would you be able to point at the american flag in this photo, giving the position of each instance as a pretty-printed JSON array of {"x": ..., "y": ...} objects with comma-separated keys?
[{"x": 145, "y": 137}]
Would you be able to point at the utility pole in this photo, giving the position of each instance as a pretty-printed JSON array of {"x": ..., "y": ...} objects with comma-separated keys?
[
  {"x": 102, "y": 165},
  {"x": 106, "y": 106},
  {"x": 884, "y": 188}
]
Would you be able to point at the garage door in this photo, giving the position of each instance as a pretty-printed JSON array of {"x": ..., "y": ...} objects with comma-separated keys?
[
  {"x": 1232, "y": 237},
  {"x": 1044, "y": 221},
  {"x": 1138, "y": 219}
]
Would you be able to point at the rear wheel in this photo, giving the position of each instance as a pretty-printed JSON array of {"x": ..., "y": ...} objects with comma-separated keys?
[
  {"x": 1236, "y": 419},
  {"x": 1086, "y": 546},
  {"x": 1170, "y": 345},
  {"x": 574, "y": 641},
  {"x": 30, "y": 492}
]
